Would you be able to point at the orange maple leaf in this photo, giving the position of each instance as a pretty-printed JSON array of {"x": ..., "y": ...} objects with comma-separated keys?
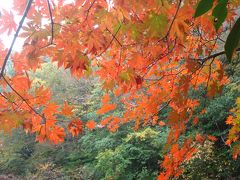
[
  {"x": 50, "y": 110},
  {"x": 57, "y": 135},
  {"x": 21, "y": 83},
  {"x": 105, "y": 98},
  {"x": 212, "y": 138},
  {"x": 161, "y": 123},
  {"x": 229, "y": 120},
  {"x": 67, "y": 110},
  {"x": 154, "y": 120},
  {"x": 106, "y": 108},
  {"x": 7, "y": 22},
  {"x": 91, "y": 124},
  {"x": 199, "y": 138},
  {"x": 75, "y": 127}
]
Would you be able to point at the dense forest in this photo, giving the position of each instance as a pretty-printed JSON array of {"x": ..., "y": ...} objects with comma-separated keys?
[
  {"x": 125, "y": 154},
  {"x": 120, "y": 90}
]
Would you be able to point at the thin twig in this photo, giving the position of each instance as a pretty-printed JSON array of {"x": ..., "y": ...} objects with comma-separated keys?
[
  {"x": 5, "y": 97},
  {"x": 88, "y": 10},
  {"x": 114, "y": 36},
  {"x": 174, "y": 18},
  {"x": 28, "y": 6}
]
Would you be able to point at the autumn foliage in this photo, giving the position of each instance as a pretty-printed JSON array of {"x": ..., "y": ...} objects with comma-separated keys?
[{"x": 147, "y": 53}]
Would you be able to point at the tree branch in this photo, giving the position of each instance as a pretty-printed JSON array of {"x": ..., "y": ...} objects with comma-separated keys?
[
  {"x": 52, "y": 22},
  {"x": 1, "y": 94},
  {"x": 202, "y": 60},
  {"x": 114, "y": 37},
  {"x": 27, "y": 8},
  {"x": 174, "y": 18},
  {"x": 23, "y": 99},
  {"x": 88, "y": 10},
  {"x": 15, "y": 36}
]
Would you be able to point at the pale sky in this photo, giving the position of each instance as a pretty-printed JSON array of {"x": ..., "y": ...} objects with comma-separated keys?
[{"x": 7, "y": 5}]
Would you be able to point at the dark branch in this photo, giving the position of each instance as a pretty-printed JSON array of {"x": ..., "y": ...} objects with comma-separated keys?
[
  {"x": 23, "y": 99},
  {"x": 202, "y": 60},
  {"x": 114, "y": 36},
  {"x": 15, "y": 36},
  {"x": 52, "y": 22},
  {"x": 88, "y": 10},
  {"x": 174, "y": 18},
  {"x": 28, "y": 6},
  {"x": 1, "y": 94}
]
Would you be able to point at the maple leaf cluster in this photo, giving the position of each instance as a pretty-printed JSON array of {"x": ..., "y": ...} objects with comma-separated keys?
[{"x": 148, "y": 53}]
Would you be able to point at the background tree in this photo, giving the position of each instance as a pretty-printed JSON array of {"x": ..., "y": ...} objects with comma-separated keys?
[{"x": 149, "y": 55}]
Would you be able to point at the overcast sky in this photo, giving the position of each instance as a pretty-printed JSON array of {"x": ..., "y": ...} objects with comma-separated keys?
[{"x": 7, "y": 5}]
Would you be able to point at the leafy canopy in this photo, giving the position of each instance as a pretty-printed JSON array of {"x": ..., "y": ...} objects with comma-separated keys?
[{"x": 147, "y": 53}]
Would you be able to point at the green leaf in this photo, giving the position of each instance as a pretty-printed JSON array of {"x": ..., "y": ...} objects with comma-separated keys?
[
  {"x": 220, "y": 13},
  {"x": 203, "y": 7},
  {"x": 156, "y": 25},
  {"x": 232, "y": 40}
]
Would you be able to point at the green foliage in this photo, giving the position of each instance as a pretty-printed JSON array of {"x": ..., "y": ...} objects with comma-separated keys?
[
  {"x": 233, "y": 40},
  {"x": 136, "y": 158},
  {"x": 64, "y": 87},
  {"x": 203, "y": 7},
  {"x": 220, "y": 13},
  {"x": 15, "y": 153},
  {"x": 156, "y": 25},
  {"x": 210, "y": 163},
  {"x": 126, "y": 154},
  {"x": 214, "y": 160}
]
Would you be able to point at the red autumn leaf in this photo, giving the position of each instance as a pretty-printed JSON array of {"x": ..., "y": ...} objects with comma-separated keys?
[
  {"x": 155, "y": 119},
  {"x": 199, "y": 138},
  {"x": 75, "y": 127},
  {"x": 148, "y": 54},
  {"x": 229, "y": 120},
  {"x": 105, "y": 121},
  {"x": 21, "y": 83}
]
